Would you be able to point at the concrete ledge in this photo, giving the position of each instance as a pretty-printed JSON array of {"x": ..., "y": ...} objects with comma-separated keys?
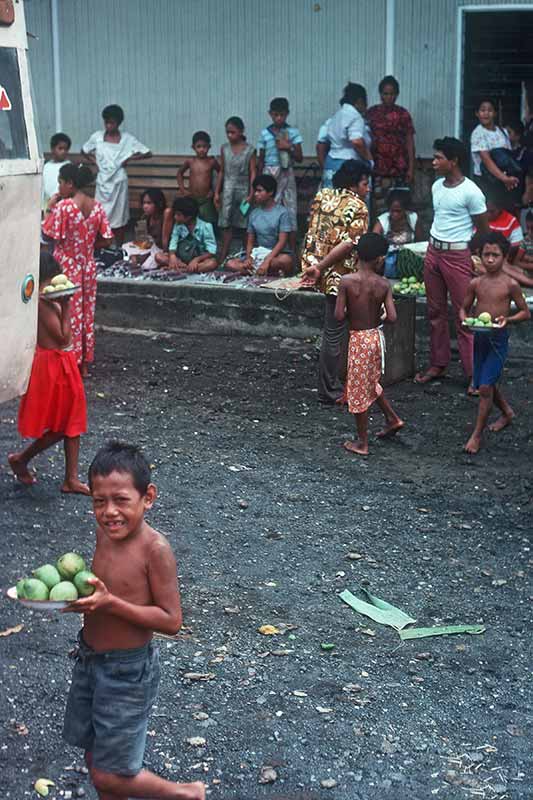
[{"x": 178, "y": 307}]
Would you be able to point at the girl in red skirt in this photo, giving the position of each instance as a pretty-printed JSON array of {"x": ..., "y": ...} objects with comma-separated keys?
[{"x": 54, "y": 407}]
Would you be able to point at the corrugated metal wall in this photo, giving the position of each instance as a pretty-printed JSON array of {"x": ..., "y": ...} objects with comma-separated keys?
[{"x": 177, "y": 66}]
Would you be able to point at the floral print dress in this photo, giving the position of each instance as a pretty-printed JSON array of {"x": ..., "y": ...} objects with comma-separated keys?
[{"x": 75, "y": 236}]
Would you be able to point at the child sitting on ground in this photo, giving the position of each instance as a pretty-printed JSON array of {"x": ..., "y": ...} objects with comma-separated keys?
[
  {"x": 267, "y": 251},
  {"x": 201, "y": 168},
  {"x": 53, "y": 408},
  {"x": 116, "y": 674},
  {"x": 492, "y": 292},
  {"x": 361, "y": 297},
  {"x": 279, "y": 145},
  {"x": 59, "y": 146},
  {"x": 192, "y": 247}
]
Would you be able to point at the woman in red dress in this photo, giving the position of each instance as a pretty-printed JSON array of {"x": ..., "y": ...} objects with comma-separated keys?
[
  {"x": 77, "y": 223},
  {"x": 393, "y": 141}
]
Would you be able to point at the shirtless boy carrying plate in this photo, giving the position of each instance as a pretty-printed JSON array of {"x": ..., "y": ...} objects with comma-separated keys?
[
  {"x": 361, "y": 297},
  {"x": 492, "y": 292},
  {"x": 116, "y": 675}
]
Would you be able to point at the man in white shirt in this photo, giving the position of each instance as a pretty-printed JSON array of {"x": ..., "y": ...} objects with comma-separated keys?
[{"x": 459, "y": 207}]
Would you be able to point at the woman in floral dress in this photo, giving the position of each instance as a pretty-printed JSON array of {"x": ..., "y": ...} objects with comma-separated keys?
[{"x": 77, "y": 224}]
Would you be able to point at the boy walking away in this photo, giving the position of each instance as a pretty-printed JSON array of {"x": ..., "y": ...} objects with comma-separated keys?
[
  {"x": 492, "y": 293},
  {"x": 279, "y": 146},
  {"x": 116, "y": 674},
  {"x": 54, "y": 407},
  {"x": 202, "y": 169},
  {"x": 361, "y": 297},
  {"x": 192, "y": 247},
  {"x": 59, "y": 146}
]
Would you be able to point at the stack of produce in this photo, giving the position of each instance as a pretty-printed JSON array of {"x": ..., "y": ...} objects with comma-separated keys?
[
  {"x": 410, "y": 286},
  {"x": 66, "y": 581},
  {"x": 58, "y": 284},
  {"x": 483, "y": 321}
]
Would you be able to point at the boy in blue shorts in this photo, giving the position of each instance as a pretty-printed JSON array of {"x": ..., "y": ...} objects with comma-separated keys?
[
  {"x": 492, "y": 293},
  {"x": 116, "y": 675}
]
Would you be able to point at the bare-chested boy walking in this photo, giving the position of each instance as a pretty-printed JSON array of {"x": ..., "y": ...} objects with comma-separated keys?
[
  {"x": 116, "y": 675},
  {"x": 492, "y": 292},
  {"x": 361, "y": 297}
]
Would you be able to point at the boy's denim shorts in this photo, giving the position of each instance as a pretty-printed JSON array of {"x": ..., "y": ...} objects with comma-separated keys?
[{"x": 109, "y": 702}]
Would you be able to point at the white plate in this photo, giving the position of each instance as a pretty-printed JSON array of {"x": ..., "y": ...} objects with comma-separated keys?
[
  {"x": 42, "y": 605},
  {"x": 482, "y": 329},
  {"x": 60, "y": 293}
]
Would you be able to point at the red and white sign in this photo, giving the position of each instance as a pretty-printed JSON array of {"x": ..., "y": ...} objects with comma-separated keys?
[{"x": 5, "y": 102}]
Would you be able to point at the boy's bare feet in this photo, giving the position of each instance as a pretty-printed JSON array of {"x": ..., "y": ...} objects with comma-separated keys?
[
  {"x": 473, "y": 444},
  {"x": 431, "y": 374},
  {"x": 471, "y": 392},
  {"x": 502, "y": 422},
  {"x": 391, "y": 428},
  {"x": 357, "y": 447},
  {"x": 192, "y": 791},
  {"x": 20, "y": 468},
  {"x": 74, "y": 487}
]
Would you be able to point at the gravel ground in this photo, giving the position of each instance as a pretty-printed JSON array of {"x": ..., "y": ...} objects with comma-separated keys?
[{"x": 262, "y": 507}]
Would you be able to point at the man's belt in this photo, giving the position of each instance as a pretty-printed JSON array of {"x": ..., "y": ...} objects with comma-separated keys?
[{"x": 438, "y": 245}]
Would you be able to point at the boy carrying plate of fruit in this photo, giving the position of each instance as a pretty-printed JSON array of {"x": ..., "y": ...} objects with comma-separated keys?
[
  {"x": 54, "y": 407},
  {"x": 116, "y": 675},
  {"x": 490, "y": 296}
]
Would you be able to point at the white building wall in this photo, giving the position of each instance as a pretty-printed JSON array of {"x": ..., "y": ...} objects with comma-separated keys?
[{"x": 177, "y": 66}]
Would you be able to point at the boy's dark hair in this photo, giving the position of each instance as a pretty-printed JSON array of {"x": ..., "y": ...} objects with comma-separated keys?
[
  {"x": 236, "y": 122},
  {"x": 186, "y": 206},
  {"x": 497, "y": 238},
  {"x": 157, "y": 197},
  {"x": 266, "y": 182},
  {"x": 485, "y": 100},
  {"x": 57, "y": 138},
  {"x": 280, "y": 104},
  {"x": 389, "y": 80},
  {"x": 349, "y": 174},
  {"x": 353, "y": 92},
  {"x": 401, "y": 196},
  {"x": 453, "y": 149},
  {"x": 201, "y": 136},
  {"x": 78, "y": 174},
  {"x": 117, "y": 456},
  {"x": 48, "y": 266},
  {"x": 371, "y": 246},
  {"x": 113, "y": 112}
]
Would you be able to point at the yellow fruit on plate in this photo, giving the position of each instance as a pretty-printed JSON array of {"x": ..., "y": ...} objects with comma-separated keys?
[{"x": 57, "y": 280}]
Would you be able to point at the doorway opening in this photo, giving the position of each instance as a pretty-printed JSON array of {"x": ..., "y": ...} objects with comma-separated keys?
[{"x": 497, "y": 62}]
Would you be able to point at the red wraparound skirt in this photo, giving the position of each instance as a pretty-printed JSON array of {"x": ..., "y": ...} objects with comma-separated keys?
[
  {"x": 364, "y": 369},
  {"x": 55, "y": 400}
]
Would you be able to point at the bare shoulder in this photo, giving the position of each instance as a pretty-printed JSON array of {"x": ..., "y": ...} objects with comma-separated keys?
[{"x": 159, "y": 549}]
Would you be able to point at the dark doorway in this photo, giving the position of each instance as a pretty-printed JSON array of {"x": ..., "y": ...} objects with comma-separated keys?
[{"x": 498, "y": 57}]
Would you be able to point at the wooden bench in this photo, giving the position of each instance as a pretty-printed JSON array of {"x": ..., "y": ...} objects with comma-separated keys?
[{"x": 159, "y": 172}]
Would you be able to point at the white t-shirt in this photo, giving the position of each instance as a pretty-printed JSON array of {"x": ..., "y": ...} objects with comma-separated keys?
[
  {"x": 323, "y": 132},
  {"x": 384, "y": 221},
  {"x": 483, "y": 139},
  {"x": 453, "y": 210},
  {"x": 344, "y": 127},
  {"x": 51, "y": 179}
]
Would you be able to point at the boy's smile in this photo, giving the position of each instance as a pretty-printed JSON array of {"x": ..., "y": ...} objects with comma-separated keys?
[{"x": 118, "y": 506}]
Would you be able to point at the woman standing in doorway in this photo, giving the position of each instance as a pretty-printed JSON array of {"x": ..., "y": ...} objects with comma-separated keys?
[
  {"x": 111, "y": 150},
  {"x": 77, "y": 223}
]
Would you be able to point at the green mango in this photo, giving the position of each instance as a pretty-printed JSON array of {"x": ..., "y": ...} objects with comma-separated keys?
[
  {"x": 48, "y": 574},
  {"x": 69, "y": 564},
  {"x": 470, "y": 320},
  {"x": 478, "y": 323},
  {"x": 65, "y": 590},
  {"x": 32, "y": 589},
  {"x": 80, "y": 582},
  {"x": 485, "y": 317},
  {"x": 412, "y": 279}
]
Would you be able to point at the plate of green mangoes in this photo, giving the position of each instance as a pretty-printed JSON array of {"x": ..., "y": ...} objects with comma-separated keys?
[
  {"x": 59, "y": 286},
  {"x": 52, "y": 587},
  {"x": 482, "y": 324}
]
